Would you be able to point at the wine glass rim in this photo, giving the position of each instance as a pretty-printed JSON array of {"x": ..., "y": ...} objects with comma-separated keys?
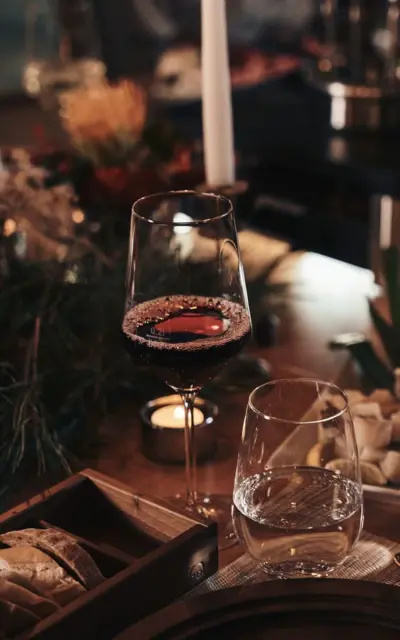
[
  {"x": 183, "y": 192},
  {"x": 317, "y": 381}
]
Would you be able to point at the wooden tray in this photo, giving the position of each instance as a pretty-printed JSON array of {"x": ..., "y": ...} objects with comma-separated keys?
[
  {"x": 281, "y": 610},
  {"x": 149, "y": 554}
]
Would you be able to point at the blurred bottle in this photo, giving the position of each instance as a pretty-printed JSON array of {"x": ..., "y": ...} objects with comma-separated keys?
[
  {"x": 359, "y": 61},
  {"x": 71, "y": 57},
  {"x": 250, "y": 22}
]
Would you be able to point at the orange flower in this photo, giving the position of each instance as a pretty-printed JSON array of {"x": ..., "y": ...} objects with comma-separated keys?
[{"x": 104, "y": 112}]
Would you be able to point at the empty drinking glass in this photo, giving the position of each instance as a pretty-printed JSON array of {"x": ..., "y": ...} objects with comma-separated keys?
[{"x": 297, "y": 500}]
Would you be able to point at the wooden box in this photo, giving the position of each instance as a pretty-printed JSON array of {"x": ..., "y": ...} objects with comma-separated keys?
[{"x": 148, "y": 553}]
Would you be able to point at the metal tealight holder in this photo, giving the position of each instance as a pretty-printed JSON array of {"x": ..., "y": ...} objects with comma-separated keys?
[{"x": 163, "y": 428}]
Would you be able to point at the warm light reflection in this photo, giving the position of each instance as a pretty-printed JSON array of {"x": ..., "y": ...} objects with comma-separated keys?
[
  {"x": 179, "y": 413},
  {"x": 10, "y": 227},
  {"x": 337, "y": 90},
  {"x": 78, "y": 216},
  {"x": 31, "y": 79},
  {"x": 325, "y": 65},
  {"x": 179, "y": 218},
  {"x": 173, "y": 417},
  {"x": 338, "y": 112},
  {"x": 386, "y": 217}
]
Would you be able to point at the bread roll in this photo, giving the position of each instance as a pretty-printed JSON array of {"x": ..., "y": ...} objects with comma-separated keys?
[
  {"x": 371, "y": 410},
  {"x": 372, "y": 433},
  {"x": 395, "y": 420},
  {"x": 15, "y": 619},
  {"x": 28, "y": 600},
  {"x": 370, "y": 473},
  {"x": 35, "y": 570},
  {"x": 369, "y": 454},
  {"x": 60, "y": 546},
  {"x": 390, "y": 466}
]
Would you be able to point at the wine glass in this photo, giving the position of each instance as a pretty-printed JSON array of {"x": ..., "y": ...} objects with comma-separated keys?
[
  {"x": 297, "y": 499},
  {"x": 186, "y": 312}
]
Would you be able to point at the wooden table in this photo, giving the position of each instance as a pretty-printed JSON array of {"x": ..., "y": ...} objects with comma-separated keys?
[{"x": 326, "y": 297}]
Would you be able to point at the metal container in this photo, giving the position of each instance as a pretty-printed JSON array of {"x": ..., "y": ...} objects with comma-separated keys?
[
  {"x": 165, "y": 444},
  {"x": 358, "y": 65}
]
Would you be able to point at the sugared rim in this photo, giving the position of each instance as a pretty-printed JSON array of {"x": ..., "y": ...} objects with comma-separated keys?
[
  {"x": 316, "y": 381},
  {"x": 184, "y": 192}
]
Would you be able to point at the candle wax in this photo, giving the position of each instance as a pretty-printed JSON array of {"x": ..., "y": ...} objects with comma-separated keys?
[
  {"x": 172, "y": 416},
  {"x": 218, "y": 140}
]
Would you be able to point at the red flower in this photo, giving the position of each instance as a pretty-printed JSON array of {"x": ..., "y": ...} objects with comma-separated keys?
[
  {"x": 119, "y": 186},
  {"x": 64, "y": 166},
  {"x": 39, "y": 133}
]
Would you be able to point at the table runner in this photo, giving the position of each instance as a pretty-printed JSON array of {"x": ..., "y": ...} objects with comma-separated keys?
[{"x": 371, "y": 559}]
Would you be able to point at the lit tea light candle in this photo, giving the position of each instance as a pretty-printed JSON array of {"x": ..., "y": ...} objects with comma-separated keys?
[
  {"x": 163, "y": 425},
  {"x": 173, "y": 417}
]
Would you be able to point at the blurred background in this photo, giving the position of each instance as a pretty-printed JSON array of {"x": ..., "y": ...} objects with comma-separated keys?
[
  {"x": 314, "y": 86},
  {"x": 136, "y": 32},
  {"x": 101, "y": 104}
]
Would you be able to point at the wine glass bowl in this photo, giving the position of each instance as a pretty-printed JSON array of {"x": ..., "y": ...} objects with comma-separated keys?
[
  {"x": 186, "y": 312},
  {"x": 186, "y": 308},
  {"x": 297, "y": 500},
  {"x": 186, "y": 339}
]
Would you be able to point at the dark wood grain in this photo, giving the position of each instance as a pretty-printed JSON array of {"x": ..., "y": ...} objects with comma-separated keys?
[
  {"x": 382, "y": 510},
  {"x": 326, "y": 297},
  {"x": 281, "y": 610},
  {"x": 109, "y": 521},
  {"x": 108, "y": 558}
]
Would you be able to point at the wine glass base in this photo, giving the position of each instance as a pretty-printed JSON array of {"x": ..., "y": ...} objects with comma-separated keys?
[
  {"x": 213, "y": 507},
  {"x": 287, "y": 570}
]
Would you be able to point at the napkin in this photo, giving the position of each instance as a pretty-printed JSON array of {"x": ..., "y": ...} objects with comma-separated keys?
[{"x": 372, "y": 559}]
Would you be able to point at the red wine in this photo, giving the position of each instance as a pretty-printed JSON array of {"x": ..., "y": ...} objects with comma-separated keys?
[{"x": 186, "y": 339}]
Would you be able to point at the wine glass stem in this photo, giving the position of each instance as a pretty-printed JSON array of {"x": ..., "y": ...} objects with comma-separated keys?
[{"x": 190, "y": 449}]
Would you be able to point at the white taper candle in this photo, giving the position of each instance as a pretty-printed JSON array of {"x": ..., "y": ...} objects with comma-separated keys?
[
  {"x": 216, "y": 92},
  {"x": 386, "y": 222}
]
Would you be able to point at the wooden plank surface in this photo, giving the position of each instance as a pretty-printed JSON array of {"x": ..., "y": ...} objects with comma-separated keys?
[{"x": 325, "y": 297}]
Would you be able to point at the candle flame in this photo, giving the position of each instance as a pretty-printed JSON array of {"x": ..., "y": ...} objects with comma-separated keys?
[
  {"x": 179, "y": 412},
  {"x": 78, "y": 216},
  {"x": 10, "y": 227}
]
